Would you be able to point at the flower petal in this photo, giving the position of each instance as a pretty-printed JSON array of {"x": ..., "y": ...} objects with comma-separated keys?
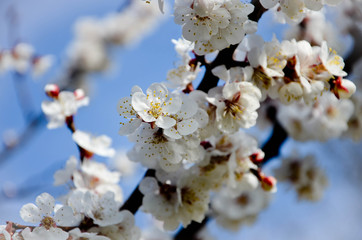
[
  {"x": 129, "y": 127},
  {"x": 30, "y": 213},
  {"x": 165, "y": 122},
  {"x": 65, "y": 217},
  {"x": 187, "y": 126},
  {"x": 45, "y": 204}
]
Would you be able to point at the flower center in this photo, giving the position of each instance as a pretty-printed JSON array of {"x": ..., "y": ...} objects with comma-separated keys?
[
  {"x": 156, "y": 109},
  {"x": 243, "y": 200},
  {"x": 261, "y": 79},
  {"x": 167, "y": 191},
  {"x": 48, "y": 222},
  {"x": 233, "y": 108},
  {"x": 188, "y": 196}
]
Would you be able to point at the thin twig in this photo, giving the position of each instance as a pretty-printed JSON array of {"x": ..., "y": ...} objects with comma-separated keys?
[{"x": 34, "y": 125}]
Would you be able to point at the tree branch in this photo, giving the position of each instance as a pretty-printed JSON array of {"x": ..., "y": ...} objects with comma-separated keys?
[
  {"x": 189, "y": 233},
  {"x": 134, "y": 201}
]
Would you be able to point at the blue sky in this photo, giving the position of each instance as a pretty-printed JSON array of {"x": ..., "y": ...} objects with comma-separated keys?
[{"x": 48, "y": 26}]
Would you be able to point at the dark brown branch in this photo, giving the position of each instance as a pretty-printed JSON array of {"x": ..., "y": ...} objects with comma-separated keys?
[
  {"x": 134, "y": 201},
  {"x": 272, "y": 147},
  {"x": 356, "y": 52},
  {"x": 189, "y": 232}
]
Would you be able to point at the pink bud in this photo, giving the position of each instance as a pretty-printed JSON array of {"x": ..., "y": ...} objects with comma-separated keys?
[
  {"x": 268, "y": 183},
  {"x": 79, "y": 94},
  {"x": 52, "y": 90},
  {"x": 257, "y": 157},
  {"x": 342, "y": 88}
]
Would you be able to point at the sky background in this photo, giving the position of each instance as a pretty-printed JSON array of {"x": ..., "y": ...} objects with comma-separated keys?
[{"x": 48, "y": 26}]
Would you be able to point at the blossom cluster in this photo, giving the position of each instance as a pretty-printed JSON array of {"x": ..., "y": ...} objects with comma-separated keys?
[
  {"x": 305, "y": 176},
  {"x": 93, "y": 37},
  {"x": 201, "y": 161},
  {"x": 21, "y": 57},
  {"x": 291, "y": 70},
  {"x": 295, "y": 10},
  {"x": 213, "y": 25}
]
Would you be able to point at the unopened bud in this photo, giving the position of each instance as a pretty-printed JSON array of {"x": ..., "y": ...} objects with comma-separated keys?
[
  {"x": 257, "y": 157},
  {"x": 189, "y": 88},
  {"x": 342, "y": 88},
  {"x": 269, "y": 183},
  {"x": 52, "y": 90},
  {"x": 79, "y": 94}
]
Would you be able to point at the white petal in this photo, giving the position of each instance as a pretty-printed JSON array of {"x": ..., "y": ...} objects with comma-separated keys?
[
  {"x": 129, "y": 127},
  {"x": 45, "y": 203},
  {"x": 172, "y": 105},
  {"x": 30, "y": 213},
  {"x": 50, "y": 108},
  {"x": 65, "y": 217},
  {"x": 165, "y": 122},
  {"x": 140, "y": 102},
  {"x": 42, "y": 233},
  {"x": 172, "y": 133},
  {"x": 201, "y": 117},
  {"x": 187, "y": 126},
  {"x": 148, "y": 185},
  {"x": 188, "y": 109},
  {"x": 221, "y": 72},
  {"x": 157, "y": 92}
]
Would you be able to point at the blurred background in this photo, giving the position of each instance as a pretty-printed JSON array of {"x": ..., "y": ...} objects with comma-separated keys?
[{"x": 27, "y": 169}]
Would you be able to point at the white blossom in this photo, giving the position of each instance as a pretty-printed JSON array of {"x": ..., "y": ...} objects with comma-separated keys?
[
  {"x": 104, "y": 210},
  {"x": 42, "y": 211},
  {"x": 213, "y": 25},
  {"x": 124, "y": 230},
  {"x": 65, "y": 105},
  {"x": 295, "y": 10},
  {"x": 62, "y": 176},
  {"x": 185, "y": 124},
  {"x": 176, "y": 202},
  {"x": 96, "y": 177},
  {"x": 234, "y": 209},
  {"x": 236, "y": 105},
  {"x": 326, "y": 119},
  {"x": 154, "y": 149},
  {"x": 22, "y": 54},
  {"x": 42, "y": 64},
  {"x": 308, "y": 180},
  {"x": 100, "y": 145},
  {"x": 157, "y": 105},
  {"x": 315, "y": 29}
]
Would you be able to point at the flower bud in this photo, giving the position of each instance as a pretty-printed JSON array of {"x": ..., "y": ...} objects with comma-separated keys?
[
  {"x": 342, "y": 88},
  {"x": 269, "y": 183},
  {"x": 79, "y": 94},
  {"x": 257, "y": 157},
  {"x": 52, "y": 90}
]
